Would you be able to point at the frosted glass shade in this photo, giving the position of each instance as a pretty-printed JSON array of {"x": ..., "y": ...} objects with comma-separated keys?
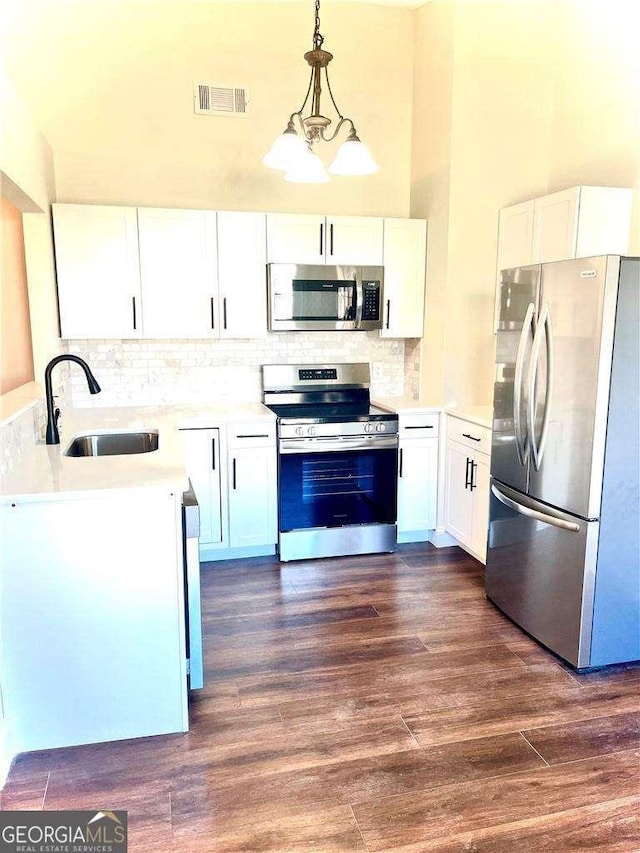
[
  {"x": 286, "y": 150},
  {"x": 353, "y": 158},
  {"x": 307, "y": 170}
]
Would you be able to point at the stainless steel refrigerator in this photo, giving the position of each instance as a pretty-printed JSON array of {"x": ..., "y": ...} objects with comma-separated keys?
[{"x": 563, "y": 555}]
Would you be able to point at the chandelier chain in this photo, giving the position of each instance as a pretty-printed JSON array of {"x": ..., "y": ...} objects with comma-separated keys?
[{"x": 318, "y": 39}]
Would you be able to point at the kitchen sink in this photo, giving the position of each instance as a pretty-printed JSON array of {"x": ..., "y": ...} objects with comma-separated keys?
[{"x": 113, "y": 443}]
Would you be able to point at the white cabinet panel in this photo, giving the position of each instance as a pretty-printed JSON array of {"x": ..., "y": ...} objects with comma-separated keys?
[
  {"x": 312, "y": 239},
  {"x": 202, "y": 462},
  {"x": 97, "y": 270},
  {"x": 178, "y": 271},
  {"x": 480, "y": 526},
  {"x": 295, "y": 238},
  {"x": 458, "y": 498},
  {"x": 417, "y": 486},
  {"x": 405, "y": 245},
  {"x": 354, "y": 240},
  {"x": 252, "y": 496},
  {"x": 515, "y": 236},
  {"x": 466, "y": 492},
  {"x": 555, "y": 226},
  {"x": 242, "y": 259},
  {"x": 93, "y": 635}
]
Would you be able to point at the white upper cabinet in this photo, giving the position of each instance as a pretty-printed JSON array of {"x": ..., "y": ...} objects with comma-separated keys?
[
  {"x": 97, "y": 270},
  {"x": 405, "y": 246},
  {"x": 178, "y": 272},
  {"x": 354, "y": 240},
  {"x": 313, "y": 239},
  {"x": 515, "y": 236},
  {"x": 242, "y": 258},
  {"x": 574, "y": 223}
]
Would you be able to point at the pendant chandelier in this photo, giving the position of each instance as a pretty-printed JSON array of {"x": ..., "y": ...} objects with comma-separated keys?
[{"x": 293, "y": 151}]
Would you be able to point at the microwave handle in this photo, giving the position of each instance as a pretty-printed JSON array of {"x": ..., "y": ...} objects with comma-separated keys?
[{"x": 359, "y": 298}]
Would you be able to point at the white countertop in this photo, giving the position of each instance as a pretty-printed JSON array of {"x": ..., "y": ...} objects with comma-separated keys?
[
  {"x": 43, "y": 472},
  {"x": 406, "y": 405},
  {"x": 480, "y": 415}
]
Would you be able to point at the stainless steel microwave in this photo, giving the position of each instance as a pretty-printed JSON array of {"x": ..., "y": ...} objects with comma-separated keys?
[{"x": 324, "y": 298}]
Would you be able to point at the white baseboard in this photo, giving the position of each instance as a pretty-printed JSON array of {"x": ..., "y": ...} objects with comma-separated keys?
[
  {"x": 210, "y": 555},
  {"x": 441, "y": 539}
]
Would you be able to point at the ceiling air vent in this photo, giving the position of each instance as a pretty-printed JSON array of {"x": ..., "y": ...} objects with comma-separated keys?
[{"x": 220, "y": 100}]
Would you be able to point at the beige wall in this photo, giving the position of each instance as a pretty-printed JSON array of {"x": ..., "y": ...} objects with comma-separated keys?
[
  {"x": 119, "y": 113},
  {"x": 27, "y": 181},
  {"x": 543, "y": 96},
  {"x": 16, "y": 357}
]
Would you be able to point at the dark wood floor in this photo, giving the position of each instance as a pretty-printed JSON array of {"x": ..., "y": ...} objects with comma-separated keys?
[{"x": 372, "y": 703}]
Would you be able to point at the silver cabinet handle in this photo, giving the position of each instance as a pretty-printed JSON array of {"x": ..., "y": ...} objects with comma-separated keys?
[
  {"x": 543, "y": 329},
  {"x": 522, "y": 444},
  {"x": 553, "y": 520}
]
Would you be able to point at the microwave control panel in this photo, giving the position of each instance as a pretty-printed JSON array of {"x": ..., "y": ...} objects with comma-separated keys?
[{"x": 371, "y": 300}]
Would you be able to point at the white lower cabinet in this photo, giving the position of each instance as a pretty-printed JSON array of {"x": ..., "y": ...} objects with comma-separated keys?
[
  {"x": 202, "y": 460},
  {"x": 252, "y": 497},
  {"x": 417, "y": 476},
  {"x": 234, "y": 474},
  {"x": 466, "y": 500}
]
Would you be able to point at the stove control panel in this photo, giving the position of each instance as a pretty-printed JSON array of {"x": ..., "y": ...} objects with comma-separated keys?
[
  {"x": 375, "y": 427},
  {"x": 318, "y": 373}
]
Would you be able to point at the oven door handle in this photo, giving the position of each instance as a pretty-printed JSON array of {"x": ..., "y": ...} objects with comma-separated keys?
[{"x": 332, "y": 444}]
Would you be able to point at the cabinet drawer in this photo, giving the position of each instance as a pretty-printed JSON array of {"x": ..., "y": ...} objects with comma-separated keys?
[
  {"x": 419, "y": 426},
  {"x": 470, "y": 434},
  {"x": 251, "y": 433}
]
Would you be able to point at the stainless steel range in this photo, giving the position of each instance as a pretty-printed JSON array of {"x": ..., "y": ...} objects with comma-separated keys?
[{"x": 337, "y": 461}]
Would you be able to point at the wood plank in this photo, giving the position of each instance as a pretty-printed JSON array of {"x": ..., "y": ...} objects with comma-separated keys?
[
  {"x": 611, "y": 827},
  {"x": 588, "y": 737},
  {"x": 453, "y": 693},
  {"x": 405, "y": 674},
  {"x": 560, "y": 703},
  {"x": 275, "y": 624},
  {"x": 402, "y": 820},
  {"x": 349, "y": 782}
]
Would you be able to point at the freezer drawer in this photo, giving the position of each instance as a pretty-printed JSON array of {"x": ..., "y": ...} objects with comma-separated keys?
[{"x": 541, "y": 570}]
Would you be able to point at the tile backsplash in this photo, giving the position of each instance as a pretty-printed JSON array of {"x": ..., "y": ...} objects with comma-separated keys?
[
  {"x": 152, "y": 372},
  {"x": 20, "y": 433}
]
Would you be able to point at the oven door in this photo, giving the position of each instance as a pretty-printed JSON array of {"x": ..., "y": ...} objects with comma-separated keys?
[{"x": 336, "y": 482}]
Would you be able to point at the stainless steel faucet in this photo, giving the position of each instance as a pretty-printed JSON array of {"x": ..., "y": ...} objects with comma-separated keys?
[{"x": 53, "y": 437}]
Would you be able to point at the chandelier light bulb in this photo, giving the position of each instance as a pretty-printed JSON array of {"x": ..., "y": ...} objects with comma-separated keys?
[
  {"x": 286, "y": 151},
  {"x": 353, "y": 158},
  {"x": 307, "y": 170}
]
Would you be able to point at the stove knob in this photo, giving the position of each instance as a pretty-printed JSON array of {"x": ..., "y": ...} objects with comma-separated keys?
[
  {"x": 369, "y": 427},
  {"x": 311, "y": 430},
  {"x": 299, "y": 430},
  {"x": 380, "y": 427}
]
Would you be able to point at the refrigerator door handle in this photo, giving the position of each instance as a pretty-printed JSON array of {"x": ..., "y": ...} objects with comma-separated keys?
[
  {"x": 522, "y": 444},
  {"x": 534, "y": 513},
  {"x": 543, "y": 329}
]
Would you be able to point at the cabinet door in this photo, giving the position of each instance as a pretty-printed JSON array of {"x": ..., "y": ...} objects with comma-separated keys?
[
  {"x": 178, "y": 272},
  {"x": 295, "y": 238},
  {"x": 354, "y": 240},
  {"x": 202, "y": 462},
  {"x": 252, "y": 496},
  {"x": 405, "y": 245},
  {"x": 555, "y": 226},
  {"x": 242, "y": 259},
  {"x": 97, "y": 270},
  {"x": 515, "y": 236},
  {"x": 417, "y": 484},
  {"x": 458, "y": 498},
  {"x": 480, "y": 524}
]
